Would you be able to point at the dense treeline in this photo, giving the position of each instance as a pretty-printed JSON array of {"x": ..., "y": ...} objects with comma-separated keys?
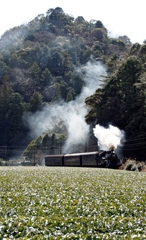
[
  {"x": 122, "y": 102},
  {"x": 37, "y": 67}
]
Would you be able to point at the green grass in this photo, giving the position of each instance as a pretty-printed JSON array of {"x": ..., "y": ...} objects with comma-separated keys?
[{"x": 72, "y": 203}]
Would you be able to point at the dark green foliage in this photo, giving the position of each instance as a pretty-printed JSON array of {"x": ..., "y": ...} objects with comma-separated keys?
[
  {"x": 5, "y": 96},
  {"x": 70, "y": 95},
  {"x": 1, "y": 160},
  {"x": 4, "y": 70},
  {"x": 29, "y": 151},
  {"x": 134, "y": 49},
  {"x": 99, "y": 24},
  {"x": 118, "y": 42},
  {"x": 57, "y": 93},
  {"x": 30, "y": 38},
  {"x": 99, "y": 34},
  {"x": 47, "y": 143},
  {"x": 35, "y": 72},
  {"x": 46, "y": 77},
  {"x": 121, "y": 102},
  {"x": 11, "y": 112},
  {"x": 77, "y": 83},
  {"x": 36, "y": 102},
  {"x": 120, "y": 98},
  {"x": 143, "y": 49}
]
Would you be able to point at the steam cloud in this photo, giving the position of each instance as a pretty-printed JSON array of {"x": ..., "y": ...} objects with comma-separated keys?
[
  {"x": 108, "y": 138},
  {"x": 72, "y": 114}
]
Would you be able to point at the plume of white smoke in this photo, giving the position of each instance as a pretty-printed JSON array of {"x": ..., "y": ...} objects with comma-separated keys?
[
  {"x": 108, "y": 138},
  {"x": 72, "y": 114}
]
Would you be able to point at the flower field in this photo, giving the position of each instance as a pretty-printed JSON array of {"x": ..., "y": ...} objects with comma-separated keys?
[{"x": 72, "y": 203}]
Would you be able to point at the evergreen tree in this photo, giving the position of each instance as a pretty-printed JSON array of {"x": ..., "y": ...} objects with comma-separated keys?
[
  {"x": 46, "y": 77},
  {"x": 5, "y": 96},
  {"x": 36, "y": 102},
  {"x": 35, "y": 72}
]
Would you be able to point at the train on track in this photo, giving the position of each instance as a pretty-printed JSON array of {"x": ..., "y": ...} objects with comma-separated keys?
[{"x": 108, "y": 159}]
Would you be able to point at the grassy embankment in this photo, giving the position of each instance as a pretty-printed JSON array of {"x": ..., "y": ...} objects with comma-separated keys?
[{"x": 72, "y": 203}]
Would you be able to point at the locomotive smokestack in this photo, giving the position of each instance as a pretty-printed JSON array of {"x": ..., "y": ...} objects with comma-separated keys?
[{"x": 112, "y": 148}]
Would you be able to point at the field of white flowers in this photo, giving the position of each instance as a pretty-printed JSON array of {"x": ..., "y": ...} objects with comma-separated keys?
[{"x": 72, "y": 203}]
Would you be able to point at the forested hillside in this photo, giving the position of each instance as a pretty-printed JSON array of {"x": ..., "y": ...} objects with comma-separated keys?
[
  {"x": 39, "y": 67},
  {"x": 122, "y": 101}
]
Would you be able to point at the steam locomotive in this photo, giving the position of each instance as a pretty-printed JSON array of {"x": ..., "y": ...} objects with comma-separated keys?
[{"x": 108, "y": 159}]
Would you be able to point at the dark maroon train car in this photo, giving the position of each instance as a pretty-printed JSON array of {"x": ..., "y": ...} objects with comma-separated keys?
[{"x": 54, "y": 160}]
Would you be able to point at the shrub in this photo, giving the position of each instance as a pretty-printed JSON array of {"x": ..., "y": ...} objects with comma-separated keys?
[
  {"x": 1, "y": 161},
  {"x": 129, "y": 165},
  {"x": 133, "y": 165},
  {"x": 141, "y": 166}
]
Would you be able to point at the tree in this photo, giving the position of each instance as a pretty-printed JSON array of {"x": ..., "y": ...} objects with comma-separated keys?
[
  {"x": 99, "y": 24},
  {"x": 4, "y": 70},
  {"x": 46, "y": 77},
  {"x": 99, "y": 34},
  {"x": 63, "y": 89},
  {"x": 35, "y": 72},
  {"x": 56, "y": 61},
  {"x": 57, "y": 94},
  {"x": 15, "y": 114},
  {"x": 5, "y": 96},
  {"x": 77, "y": 83},
  {"x": 70, "y": 95},
  {"x": 30, "y": 150},
  {"x": 79, "y": 20},
  {"x": 119, "y": 99},
  {"x": 46, "y": 141},
  {"x": 36, "y": 102}
]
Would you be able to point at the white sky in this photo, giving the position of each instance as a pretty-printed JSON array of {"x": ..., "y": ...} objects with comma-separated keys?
[{"x": 120, "y": 17}]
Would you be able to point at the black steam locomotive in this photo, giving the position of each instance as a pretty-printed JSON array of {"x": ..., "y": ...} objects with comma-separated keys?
[{"x": 108, "y": 159}]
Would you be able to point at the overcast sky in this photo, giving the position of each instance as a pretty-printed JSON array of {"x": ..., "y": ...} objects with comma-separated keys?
[{"x": 120, "y": 17}]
